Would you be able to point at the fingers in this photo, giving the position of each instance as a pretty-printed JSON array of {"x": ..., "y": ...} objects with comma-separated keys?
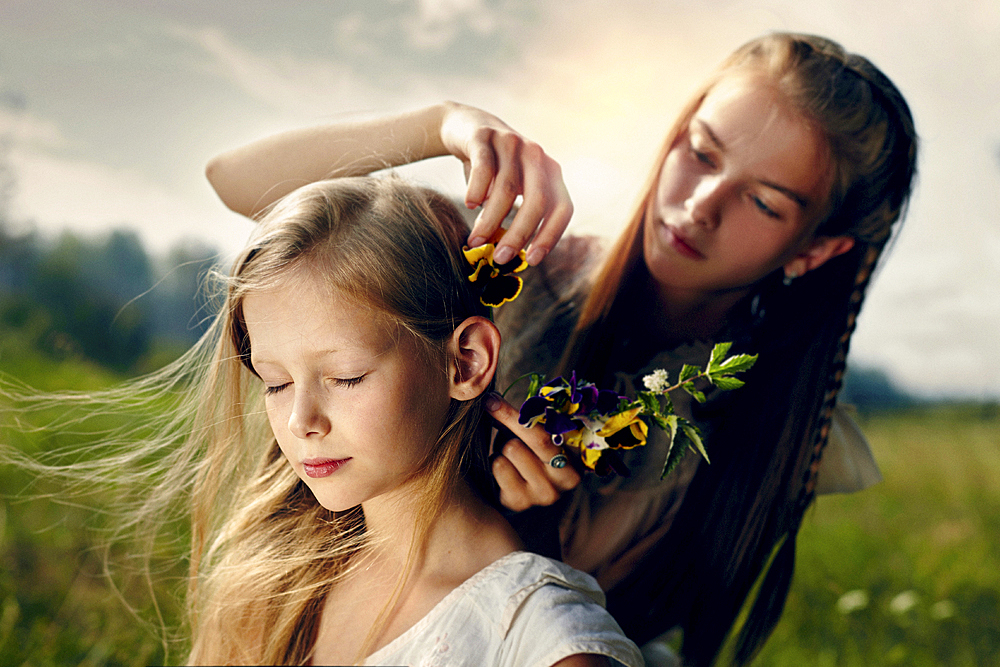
[
  {"x": 503, "y": 191},
  {"x": 546, "y": 208},
  {"x": 480, "y": 170},
  {"x": 526, "y": 481},
  {"x": 514, "y": 492},
  {"x": 503, "y": 165},
  {"x": 522, "y": 468}
]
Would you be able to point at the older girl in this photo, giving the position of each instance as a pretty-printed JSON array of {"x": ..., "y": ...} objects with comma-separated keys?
[{"x": 761, "y": 222}]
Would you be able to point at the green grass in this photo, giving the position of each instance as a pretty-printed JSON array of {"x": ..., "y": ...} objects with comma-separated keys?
[
  {"x": 57, "y": 607},
  {"x": 907, "y": 572}
]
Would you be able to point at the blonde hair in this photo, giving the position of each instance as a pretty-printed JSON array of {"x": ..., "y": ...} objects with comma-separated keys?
[{"x": 263, "y": 552}]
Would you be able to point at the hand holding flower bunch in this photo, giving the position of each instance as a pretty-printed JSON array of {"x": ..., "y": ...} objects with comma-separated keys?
[{"x": 595, "y": 422}]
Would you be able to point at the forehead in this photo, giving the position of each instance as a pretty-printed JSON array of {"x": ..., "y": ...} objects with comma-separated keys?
[
  {"x": 760, "y": 130},
  {"x": 302, "y": 310}
]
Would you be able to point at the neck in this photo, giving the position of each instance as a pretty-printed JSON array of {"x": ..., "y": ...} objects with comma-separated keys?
[
  {"x": 680, "y": 316},
  {"x": 455, "y": 533}
]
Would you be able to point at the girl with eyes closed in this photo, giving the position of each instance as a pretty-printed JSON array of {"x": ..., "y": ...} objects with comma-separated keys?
[
  {"x": 354, "y": 310},
  {"x": 325, "y": 442},
  {"x": 762, "y": 220}
]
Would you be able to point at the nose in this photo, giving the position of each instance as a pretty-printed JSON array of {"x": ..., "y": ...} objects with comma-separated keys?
[
  {"x": 308, "y": 418},
  {"x": 704, "y": 204}
]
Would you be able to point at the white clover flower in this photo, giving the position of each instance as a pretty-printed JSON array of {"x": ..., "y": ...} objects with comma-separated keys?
[
  {"x": 903, "y": 602},
  {"x": 657, "y": 381},
  {"x": 852, "y": 601},
  {"x": 943, "y": 609}
]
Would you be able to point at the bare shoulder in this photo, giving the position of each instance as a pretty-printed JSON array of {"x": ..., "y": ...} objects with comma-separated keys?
[{"x": 583, "y": 660}]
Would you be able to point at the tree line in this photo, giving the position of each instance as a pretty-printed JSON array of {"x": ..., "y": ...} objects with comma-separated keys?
[{"x": 103, "y": 298}]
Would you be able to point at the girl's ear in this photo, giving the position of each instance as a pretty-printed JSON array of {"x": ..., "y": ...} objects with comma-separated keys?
[
  {"x": 474, "y": 349},
  {"x": 817, "y": 253}
]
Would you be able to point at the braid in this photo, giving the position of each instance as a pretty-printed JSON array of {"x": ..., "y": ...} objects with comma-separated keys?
[{"x": 836, "y": 377}]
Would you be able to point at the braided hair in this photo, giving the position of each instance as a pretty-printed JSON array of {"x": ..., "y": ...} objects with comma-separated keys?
[{"x": 740, "y": 515}]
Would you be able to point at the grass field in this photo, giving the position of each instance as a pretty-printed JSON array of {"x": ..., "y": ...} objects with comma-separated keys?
[{"x": 906, "y": 573}]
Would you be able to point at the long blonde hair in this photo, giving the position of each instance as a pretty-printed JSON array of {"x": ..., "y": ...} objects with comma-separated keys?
[
  {"x": 263, "y": 552},
  {"x": 764, "y": 468}
]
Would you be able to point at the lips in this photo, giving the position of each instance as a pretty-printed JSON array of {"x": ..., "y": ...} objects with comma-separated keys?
[
  {"x": 322, "y": 467},
  {"x": 676, "y": 239}
]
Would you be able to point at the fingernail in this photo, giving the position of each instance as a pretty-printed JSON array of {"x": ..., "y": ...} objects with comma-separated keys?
[
  {"x": 503, "y": 255},
  {"x": 492, "y": 401},
  {"x": 535, "y": 256},
  {"x": 476, "y": 241}
]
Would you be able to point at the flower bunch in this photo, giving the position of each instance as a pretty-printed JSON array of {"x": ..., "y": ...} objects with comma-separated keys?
[
  {"x": 496, "y": 282},
  {"x": 583, "y": 417},
  {"x": 595, "y": 422}
]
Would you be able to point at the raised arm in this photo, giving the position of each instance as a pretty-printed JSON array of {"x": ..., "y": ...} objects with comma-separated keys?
[{"x": 500, "y": 164}]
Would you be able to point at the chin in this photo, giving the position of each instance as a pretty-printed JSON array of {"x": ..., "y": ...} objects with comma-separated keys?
[{"x": 329, "y": 501}]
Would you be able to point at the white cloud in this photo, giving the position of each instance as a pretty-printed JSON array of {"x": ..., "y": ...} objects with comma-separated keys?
[
  {"x": 437, "y": 22},
  {"x": 23, "y": 128},
  {"x": 89, "y": 198},
  {"x": 290, "y": 84}
]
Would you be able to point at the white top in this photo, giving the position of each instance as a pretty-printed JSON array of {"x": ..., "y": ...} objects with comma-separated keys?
[{"x": 523, "y": 610}]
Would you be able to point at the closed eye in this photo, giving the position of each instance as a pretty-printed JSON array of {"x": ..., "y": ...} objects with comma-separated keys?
[
  {"x": 702, "y": 157},
  {"x": 767, "y": 210},
  {"x": 271, "y": 390},
  {"x": 350, "y": 382}
]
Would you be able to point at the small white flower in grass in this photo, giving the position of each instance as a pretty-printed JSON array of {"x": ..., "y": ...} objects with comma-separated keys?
[
  {"x": 852, "y": 601},
  {"x": 943, "y": 609},
  {"x": 903, "y": 602},
  {"x": 657, "y": 381}
]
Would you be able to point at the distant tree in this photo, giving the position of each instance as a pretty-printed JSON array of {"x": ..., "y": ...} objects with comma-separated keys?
[
  {"x": 96, "y": 297},
  {"x": 90, "y": 288},
  {"x": 181, "y": 310},
  {"x": 871, "y": 388}
]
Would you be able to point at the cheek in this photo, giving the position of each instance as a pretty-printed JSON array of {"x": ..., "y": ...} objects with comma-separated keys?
[
  {"x": 758, "y": 250},
  {"x": 277, "y": 415},
  {"x": 673, "y": 185},
  {"x": 424, "y": 407}
]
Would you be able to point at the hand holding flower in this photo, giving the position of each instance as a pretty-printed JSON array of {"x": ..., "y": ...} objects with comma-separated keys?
[
  {"x": 521, "y": 464},
  {"x": 594, "y": 422}
]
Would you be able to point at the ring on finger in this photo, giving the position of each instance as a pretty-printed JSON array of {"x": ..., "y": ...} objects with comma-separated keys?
[{"x": 559, "y": 460}]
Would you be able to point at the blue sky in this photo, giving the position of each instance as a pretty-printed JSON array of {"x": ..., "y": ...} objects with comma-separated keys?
[{"x": 109, "y": 110}]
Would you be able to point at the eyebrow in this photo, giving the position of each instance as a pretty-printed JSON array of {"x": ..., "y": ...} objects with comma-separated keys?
[
  {"x": 788, "y": 192},
  {"x": 320, "y": 354}
]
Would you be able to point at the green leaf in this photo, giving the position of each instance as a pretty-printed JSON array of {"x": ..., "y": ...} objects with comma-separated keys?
[
  {"x": 695, "y": 394},
  {"x": 674, "y": 452},
  {"x": 726, "y": 383},
  {"x": 534, "y": 384},
  {"x": 694, "y": 439},
  {"x": 650, "y": 402},
  {"x": 718, "y": 353},
  {"x": 688, "y": 372},
  {"x": 682, "y": 435},
  {"x": 738, "y": 363},
  {"x": 667, "y": 404},
  {"x": 661, "y": 421}
]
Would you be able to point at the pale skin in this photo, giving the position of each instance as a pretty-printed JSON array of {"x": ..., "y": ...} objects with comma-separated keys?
[
  {"x": 343, "y": 384},
  {"x": 500, "y": 165},
  {"x": 739, "y": 196}
]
